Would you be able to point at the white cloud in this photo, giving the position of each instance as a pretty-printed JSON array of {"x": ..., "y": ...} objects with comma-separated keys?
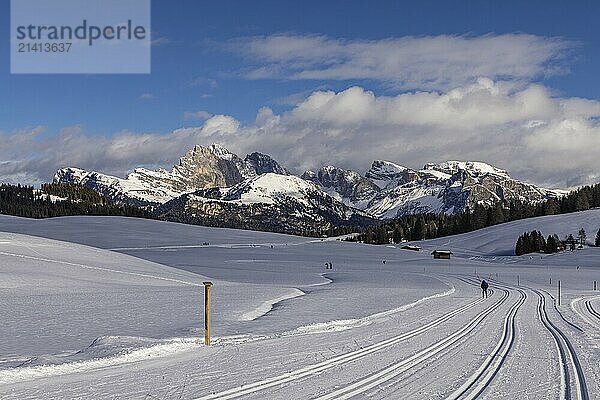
[
  {"x": 204, "y": 82},
  {"x": 524, "y": 128},
  {"x": 161, "y": 41},
  {"x": 147, "y": 96},
  {"x": 430, "y": 62},
  {"x": 196, "y": 115}
]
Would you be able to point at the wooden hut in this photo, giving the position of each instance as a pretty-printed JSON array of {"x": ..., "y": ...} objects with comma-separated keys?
[{"x": 441, "y": 254}]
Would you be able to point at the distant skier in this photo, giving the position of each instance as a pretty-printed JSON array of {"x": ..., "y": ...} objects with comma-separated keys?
[{"x": 484, "y": 288}]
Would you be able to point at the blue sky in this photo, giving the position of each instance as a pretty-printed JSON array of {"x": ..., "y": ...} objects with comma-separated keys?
[{"x": 202, "y": 66}]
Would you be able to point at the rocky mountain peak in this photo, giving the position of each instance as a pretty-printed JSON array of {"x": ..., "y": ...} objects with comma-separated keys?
[
  {"x": 474, "y": 168},
  {"x": 385, "y": 170},
  {"x": 345, "y": 185},
  {"x": 220, "y": 151},
  {"x": 263, "y": 164},
  {"x": 275, "y": 202},
  {"x": 386, "y": 174}
]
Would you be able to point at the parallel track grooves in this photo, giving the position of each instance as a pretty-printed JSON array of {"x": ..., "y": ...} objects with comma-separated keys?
[
  {"x": 401, "y": 367},
  {"x": 566, "y": 352},
  {"x": 333, "y": 362},
  {"x": 591, "y": 309},
  {"x": 560, "y": 314},
  {"x": 486, "y": 373}
]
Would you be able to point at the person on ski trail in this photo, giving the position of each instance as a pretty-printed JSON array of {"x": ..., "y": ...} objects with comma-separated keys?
[{"x": 484, "y": 288}]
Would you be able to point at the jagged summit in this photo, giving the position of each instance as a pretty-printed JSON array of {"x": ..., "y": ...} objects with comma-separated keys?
[
  {"x": 263, "y": 164},
  {"x": 385, "y": 170},
  {"x": 386, "y": 174},
  {"x": 218, "y": 151},
  {"x": 346, "y": 186}
]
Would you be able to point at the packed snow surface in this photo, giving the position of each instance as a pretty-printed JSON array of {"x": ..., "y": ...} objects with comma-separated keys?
[{"x": 109, "y": 307}]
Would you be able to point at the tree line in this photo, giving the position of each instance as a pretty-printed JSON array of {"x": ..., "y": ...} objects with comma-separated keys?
[
  {"x": 74, "y": 193},
  {"x": 25, "y": 201},
  {"x": 534, "y": 242},
  {"x": 431, "y": 226}
]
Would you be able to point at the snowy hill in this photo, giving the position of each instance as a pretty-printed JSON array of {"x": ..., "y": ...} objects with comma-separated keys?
[{"x": 500, "y": 240}]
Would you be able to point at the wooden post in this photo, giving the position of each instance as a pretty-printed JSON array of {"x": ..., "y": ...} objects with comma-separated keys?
[
  {"x": 518, "y": 280},
  {"x": 594, "y": 286},
  {"x": 559, "y": 292},
  {"x": 550, "y": 280},
  {"x": 207, "y": 286}
]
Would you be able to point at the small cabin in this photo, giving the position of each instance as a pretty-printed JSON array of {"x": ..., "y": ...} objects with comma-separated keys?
[
  {"x": 442, "y": 254},
  {"x": 411, "y": 247}
]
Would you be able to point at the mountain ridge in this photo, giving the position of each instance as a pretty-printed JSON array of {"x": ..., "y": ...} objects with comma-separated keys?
[{"x": 213, "y": 183}]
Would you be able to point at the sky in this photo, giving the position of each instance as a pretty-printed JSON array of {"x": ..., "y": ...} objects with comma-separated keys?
[{"x": 312, "y": 83}]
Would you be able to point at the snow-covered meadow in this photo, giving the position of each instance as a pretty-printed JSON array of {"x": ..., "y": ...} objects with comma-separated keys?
[{"x": 107, "y": 307}]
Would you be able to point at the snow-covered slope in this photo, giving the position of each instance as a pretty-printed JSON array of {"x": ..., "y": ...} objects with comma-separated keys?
[
  {"x": 500, "y": 240},
  {"x": 79, "y": 322},
  {"x": 389, "y": 190},
  {"x": 270, "y": 201}
]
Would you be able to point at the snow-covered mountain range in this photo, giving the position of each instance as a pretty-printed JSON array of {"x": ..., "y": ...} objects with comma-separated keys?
[
  {"x": 389, "y": 190},
  {"x": 212, "y": 185}
]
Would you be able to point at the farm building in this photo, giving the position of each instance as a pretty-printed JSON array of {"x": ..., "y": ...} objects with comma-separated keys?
[
  {"x": 441, "y": 254},
  {"x": 411, "y": 247}
]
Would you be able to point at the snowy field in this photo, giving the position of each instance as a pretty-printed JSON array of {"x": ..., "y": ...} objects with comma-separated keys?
[{"x": 108, "y": 307}]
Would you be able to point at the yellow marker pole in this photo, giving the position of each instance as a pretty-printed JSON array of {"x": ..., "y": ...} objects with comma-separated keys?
[{"x": 207, "y": 286}]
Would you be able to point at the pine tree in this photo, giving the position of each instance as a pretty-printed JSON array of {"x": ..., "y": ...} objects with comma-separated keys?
[
  {"x": 597, "y": 243},
  {"x": 479, "y": 218},
  {"x": 496, "y": 215},
  {"x": 551, "y": 207},
  {"x": 398, "y": 234},
  {"x": 571, "y": 241},
  {"x": 581, "y": 202},
  {"x": 420, "y": 230},
  {"x": 551, "y": 245},
  {"x": 519, "y": 250},
  {"x": 582, "y": 236},
  {"x": 382, "y": 235}
]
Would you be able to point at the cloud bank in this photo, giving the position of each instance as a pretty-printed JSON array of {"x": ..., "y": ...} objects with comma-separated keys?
[
  {"x": 523, "y": 128},
  {"x": 431, "y": 62}
]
